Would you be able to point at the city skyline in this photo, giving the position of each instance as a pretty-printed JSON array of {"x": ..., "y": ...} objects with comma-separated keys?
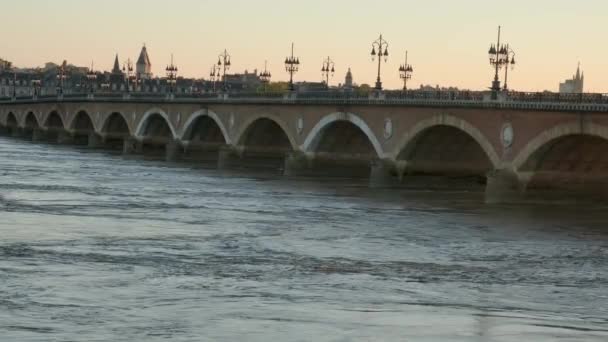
[{"x": 447, "y": 43}]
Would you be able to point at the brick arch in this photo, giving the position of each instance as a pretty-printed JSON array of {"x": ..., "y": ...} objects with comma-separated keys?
[
  {"x": 48, "y": 115},
  {"x": 106, "y": 118},
  {"x": 201, "y": 113},
  {"x": 144, "y": 120},
  {"x": 72, "y": 121},
  {"x": 244, "y": 128},
  {"x": 14, "y": 116},
  {"x": 24, "y": 114},
  {"x": 450, "y": 121},
  {"x": 313, "y": 138},
  {"x": 27, "y": 115},
  {"x": 556, "y": 132}
]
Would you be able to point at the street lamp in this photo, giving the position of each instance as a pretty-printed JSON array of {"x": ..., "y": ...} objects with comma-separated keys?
[
  {"x": 382, "y": 46},
  {"x": 14, "y": 83},
  {"x": 92, "y": 77},
  {"x": 127, "y": 70},
  {"x": 292, "y": 65},
  {"x": 328, "y": 67},
  {"x": 61, "y": 76},
  {"x": 171, "y": 75},
  {"x": 405, "y": 73},
  {"x": 265, "y": 75},
  {"x": 215, "y": 74},
  {"x": 498, "y": 55},
  {"x": 224, "y": 61},
  {"x": 510, "y": 62},
  {"x": 37, "y": 84}
]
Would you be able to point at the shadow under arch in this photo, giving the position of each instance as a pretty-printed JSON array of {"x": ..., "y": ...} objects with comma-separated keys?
[
  {"x": 449, "y": 138},
  {"x": 318, "y": 133},
  {"x": 271, "y": 122},
  {"x": 263, "y": 142},
  {"x": 151, "y": 123},
  {"x": 203, "y": 135},
  {"x": 569, "y": 157}
]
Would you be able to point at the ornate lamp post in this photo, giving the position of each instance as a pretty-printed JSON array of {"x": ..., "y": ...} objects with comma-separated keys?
[
  {"x": 36, "y": 84},
  {"x": 405, "y": 73},
  {"x": 14, "y": 83},
  {"x": 215, "y": 74},
  {"x": 510, "y": 62},
  {"x": 382, "y": 46},
  {"x": 265, "y": 75},
  {"x": 224, "y": 61},
  {"x": 61, "y": 76},
  {"x": 292, "y": 65},
  {"x": 498, "y": 58},
  {"x": 127, "y": 70},
  {"x": 328, "y": 67},
  {"x": 92, "y": 77},
  {"x": 171, "y": 75}
]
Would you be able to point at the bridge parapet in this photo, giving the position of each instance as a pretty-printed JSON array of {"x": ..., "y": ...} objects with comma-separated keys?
[{"x": 443, "y": 99}]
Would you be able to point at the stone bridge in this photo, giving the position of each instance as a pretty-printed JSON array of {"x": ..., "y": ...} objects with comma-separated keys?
[{"x": 510, "y": 147}]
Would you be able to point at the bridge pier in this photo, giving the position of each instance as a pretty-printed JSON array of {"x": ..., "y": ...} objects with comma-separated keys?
[
  {"x": 381, "y": 174},
  {"x": 173, "y": 151},
  {"x": 296, "y": 163},
  {"x": 38, "y": 134},
  {"x": 94, "y": 140},
  {"x": 504, "y": 186},
  {"x": 132, "y": 146},
  {"x": 228, "y": 157},
  {"x": 17, "y": 132},
  {"x": 65, "y": 138}
]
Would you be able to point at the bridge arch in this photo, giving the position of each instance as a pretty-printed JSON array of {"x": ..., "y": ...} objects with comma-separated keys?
[
  {"x": 151, "y": 118},
  {"x": 115, "y": 124},
  {"x": 54, "y": 121},
  {"x": 82, "y": 121},
  {"x": 260, "y": 128},
  {"x": 11, "y": 120},
  {"x": 554, "y": 135},
  {"x": 316, "y": 135},
  {"x": 197, "y": 119},
  {"x": 447, "y": 124},
  {"x": 31, "y": 121}
]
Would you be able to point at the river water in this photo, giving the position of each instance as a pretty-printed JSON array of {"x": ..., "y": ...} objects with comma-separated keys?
[{"x": 99, "y": 247}]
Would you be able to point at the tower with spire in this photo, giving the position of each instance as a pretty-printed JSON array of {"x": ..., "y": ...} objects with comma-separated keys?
[
  {"x": 575, "y": 85},
  {"x": 143, "y": 68}
]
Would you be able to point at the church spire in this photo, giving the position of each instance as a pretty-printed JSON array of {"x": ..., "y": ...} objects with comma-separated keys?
[
  {"x": 116, "y": 69},
  {"x": 578, "y": 71}
]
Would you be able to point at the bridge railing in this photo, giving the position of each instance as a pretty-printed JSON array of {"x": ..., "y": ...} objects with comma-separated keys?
[{"x": 543, "y": 101}]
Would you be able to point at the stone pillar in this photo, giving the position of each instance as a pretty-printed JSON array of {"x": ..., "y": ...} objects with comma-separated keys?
[
  {"x": 228, "y": 157},
  {"x": 503, "y": 186},
  {"x": 173, "y": 151},
  {"x": 94, "y": 140},
  {"x": 16, "y": 132},
  {"x": 381, "y": 174},
  {"x": 296, "y": 163},
  {"x": 64, "y": 137},
  {"x": 38, "y": 134},
  {"x": 132, "y": 146}
]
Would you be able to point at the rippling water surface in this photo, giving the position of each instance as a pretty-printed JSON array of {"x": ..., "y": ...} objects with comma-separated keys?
[{"x": 96, "y": 247}]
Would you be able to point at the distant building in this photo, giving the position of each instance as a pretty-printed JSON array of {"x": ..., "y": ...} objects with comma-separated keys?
[
  {"x": 143, "y": 68},
  {"x": 348, "y": 80},
  {"x": 243, "y": 82},
  {"x": 574, "y": 85}
]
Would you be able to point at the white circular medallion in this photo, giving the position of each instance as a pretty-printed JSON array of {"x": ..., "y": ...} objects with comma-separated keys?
[
  {"x": 507, "y": 135},
  {"x": 300, "y": 125},
  {"x": 388, "y": 128}
]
